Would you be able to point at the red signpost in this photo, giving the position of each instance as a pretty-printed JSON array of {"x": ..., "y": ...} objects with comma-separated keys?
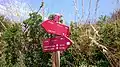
[{"x": 60, "y": 42}]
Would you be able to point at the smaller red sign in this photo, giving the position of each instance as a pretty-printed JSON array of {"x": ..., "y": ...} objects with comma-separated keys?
[
  {"x": 59, "y": 43},
  {"x": 56, "y": 18},
  {"x": 55, "y": 28}
]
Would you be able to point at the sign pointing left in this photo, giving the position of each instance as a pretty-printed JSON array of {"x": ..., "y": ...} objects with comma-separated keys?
[{"x": 55, "y": 28}]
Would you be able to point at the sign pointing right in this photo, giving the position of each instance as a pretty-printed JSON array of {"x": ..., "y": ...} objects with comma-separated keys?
[{"x": 59, "y": 43}]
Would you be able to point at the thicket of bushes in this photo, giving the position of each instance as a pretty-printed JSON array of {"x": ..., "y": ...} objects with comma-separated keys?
[{"x": 95, "y": 45}]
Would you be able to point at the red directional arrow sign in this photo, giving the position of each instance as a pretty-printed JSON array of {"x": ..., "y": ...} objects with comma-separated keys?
[
  {"x": 55, "y": 28},
  {"x": 59, "y": 43}
]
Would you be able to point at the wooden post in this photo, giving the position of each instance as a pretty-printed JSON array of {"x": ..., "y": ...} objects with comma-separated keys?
[
  {"x": 56, "y": 59},
  {"x": 53, "y": 60}
]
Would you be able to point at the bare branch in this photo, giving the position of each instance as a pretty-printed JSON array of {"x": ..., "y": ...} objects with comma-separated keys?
[
  {"x": 42, "y": 4},
  {"x": 99, "y": 45},
  {"x": 82, "y": 9},
  {"x": 3, "y": 25},
  {"x": 76, "y": 9},
  {"x": 96, "y": 32},
  {"x": 89, "y": 10},
  {"x": 97, "y": 2}
]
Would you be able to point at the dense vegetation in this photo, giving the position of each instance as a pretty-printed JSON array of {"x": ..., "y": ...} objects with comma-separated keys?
[{"x": 96, "y": 45}]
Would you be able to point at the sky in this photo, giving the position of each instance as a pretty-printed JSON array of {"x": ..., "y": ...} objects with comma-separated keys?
[
  {"x": 14, "y": 10},
  {"x": 66, "y": 8}
]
